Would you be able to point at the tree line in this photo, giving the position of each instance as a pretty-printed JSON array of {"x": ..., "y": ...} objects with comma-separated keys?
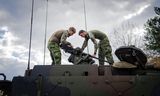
[{"x": 149, "y": 41}]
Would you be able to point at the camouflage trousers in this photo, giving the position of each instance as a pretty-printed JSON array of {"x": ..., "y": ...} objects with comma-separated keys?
[
  {"x": 55, "y": 53},
  {"x": 105, "y": 51}
]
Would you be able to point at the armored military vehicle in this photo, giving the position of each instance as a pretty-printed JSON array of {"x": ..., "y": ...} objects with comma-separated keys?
[{"x": 84, "y": 78}]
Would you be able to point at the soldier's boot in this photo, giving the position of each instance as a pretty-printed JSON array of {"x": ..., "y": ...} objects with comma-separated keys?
[{"x": 53, "y": 63}]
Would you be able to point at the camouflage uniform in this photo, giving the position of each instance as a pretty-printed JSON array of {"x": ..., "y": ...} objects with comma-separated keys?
[
  {"x": 104, "y": 46},
  {"x": 57, "y": 38}
]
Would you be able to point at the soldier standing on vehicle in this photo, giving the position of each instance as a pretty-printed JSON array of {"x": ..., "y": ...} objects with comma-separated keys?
[
  {"x": 104, "y": 45},
  {"x": 58, "y": 38}
]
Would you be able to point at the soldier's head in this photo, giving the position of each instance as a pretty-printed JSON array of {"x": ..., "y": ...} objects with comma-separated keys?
[
  {"x": 83, "y": 33},
  {"x": 71, "y": 31}
]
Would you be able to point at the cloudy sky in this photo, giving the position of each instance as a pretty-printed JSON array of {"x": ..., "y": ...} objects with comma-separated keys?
[{"x": 104, "y": 15}]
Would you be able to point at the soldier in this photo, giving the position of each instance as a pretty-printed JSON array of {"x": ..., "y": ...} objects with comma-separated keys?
[
  {"x": 58, "y": 38},
  {"x": 104, "y": 45}
]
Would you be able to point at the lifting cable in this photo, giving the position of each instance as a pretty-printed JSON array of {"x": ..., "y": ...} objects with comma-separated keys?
[
  {"x": 45, "y": 34},
  {"x": 30, "y": 40},
  {"x": 85, "y": 21}
]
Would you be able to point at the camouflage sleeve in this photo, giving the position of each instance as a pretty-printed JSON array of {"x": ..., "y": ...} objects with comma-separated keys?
[
  {"x": 95, "y": 45},
  {"x": 94, "y": 41},
  {"x": 85, "y": 43},
  {"x": 63, "y": 38}
]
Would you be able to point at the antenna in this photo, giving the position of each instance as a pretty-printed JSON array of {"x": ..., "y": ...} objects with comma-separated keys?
[
  {"x": 45, "y": 34},
  {"x": 85, "y": 19},
  {"x": 30, "y": 40},
  {"x": 85, "y": 15}
]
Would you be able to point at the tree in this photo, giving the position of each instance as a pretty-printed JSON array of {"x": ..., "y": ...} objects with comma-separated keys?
[
  {"x": 128, "y": 34},
  {"x": 152, "y": 36}
]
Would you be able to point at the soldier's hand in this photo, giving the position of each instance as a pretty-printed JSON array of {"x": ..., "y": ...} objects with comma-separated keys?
[
  {"x": 80, "y": 49},
  {"x": 70, "y": 45}
]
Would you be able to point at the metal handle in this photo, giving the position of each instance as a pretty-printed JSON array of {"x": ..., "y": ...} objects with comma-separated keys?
[
  {"x": 67, "y": 73},
  {"x": 4, "y": 76}
]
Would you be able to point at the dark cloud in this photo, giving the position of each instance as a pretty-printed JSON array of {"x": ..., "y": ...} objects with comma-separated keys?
[
  {"x": 16, "y": 14},
  {"x": 67, "y": 1},
  {"x": 12, "y": 67},
  {"x": 101, "y": 14},
  {"x": 62, "y": 1},
  {"x": 2, "y": 34},
  {"x": 14, "y": 58},
  {"x": 63, "y": 13}
]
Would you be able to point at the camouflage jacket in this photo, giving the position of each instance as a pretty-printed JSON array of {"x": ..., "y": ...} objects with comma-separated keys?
[
  {"x": 93, "y": 35},
  {"x": 59, "y": 36}
]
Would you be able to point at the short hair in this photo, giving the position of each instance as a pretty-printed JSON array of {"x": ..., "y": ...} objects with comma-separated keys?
[
  {"x": 72, "y": 29},
  {"x": 81, "y": 31}
]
